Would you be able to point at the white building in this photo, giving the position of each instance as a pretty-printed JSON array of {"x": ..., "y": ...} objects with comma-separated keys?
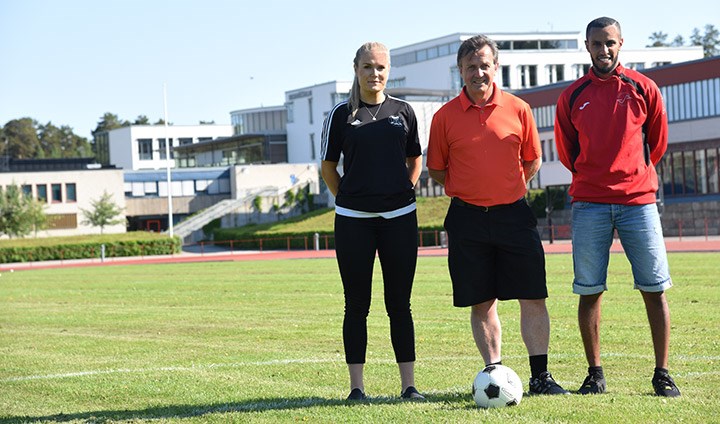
[
  {"x": 527, "y": 59},
  {"x": 68, "y": 189},
  {"x": 143, "y": 146}
]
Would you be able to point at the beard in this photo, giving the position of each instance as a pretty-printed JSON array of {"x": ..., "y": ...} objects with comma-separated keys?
[{"x": 603, "y": 69}]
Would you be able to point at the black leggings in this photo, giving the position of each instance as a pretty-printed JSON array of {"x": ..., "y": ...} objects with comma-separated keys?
[{"x": 395, "y": 240}]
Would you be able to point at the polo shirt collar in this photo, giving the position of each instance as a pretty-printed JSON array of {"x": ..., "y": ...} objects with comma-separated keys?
[{"x": 495, "y": 100}]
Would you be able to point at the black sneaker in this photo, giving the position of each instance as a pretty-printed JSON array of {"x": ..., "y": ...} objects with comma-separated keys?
[
  {"x": 356, "y": 394},
  {"x": 664, "y": 385},
  {"x": 412, "y": 394},
  {"x": 545, "y": 385},
  {"x": 592, "y": 385}
]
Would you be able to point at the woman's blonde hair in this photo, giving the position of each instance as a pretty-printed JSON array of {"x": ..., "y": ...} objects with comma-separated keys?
[{"x": 354, "y": 100}]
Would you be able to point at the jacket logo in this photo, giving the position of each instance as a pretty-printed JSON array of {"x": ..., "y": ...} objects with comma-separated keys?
[
  {"x": 584, "y": 105},
  {"x": 623, "y": 97},
  {"x": 395, "y": 121}
]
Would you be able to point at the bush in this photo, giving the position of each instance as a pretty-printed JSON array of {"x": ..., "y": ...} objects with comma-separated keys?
[{"x": 60, "y": 248}]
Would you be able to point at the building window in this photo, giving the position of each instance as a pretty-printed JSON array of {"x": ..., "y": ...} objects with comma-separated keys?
[
  {"x": 638, "y": 66},
  {"x": 456, "y": 82},
  {"x": 310, "y": 110},
  {"x": 580, "y": 69},
  {"x": 161, "y": 148},
  {"x": 556, "y": 73},
  {"x": 27, "y": 190},
  {"x": 145, "y": 148},
  {"x": 70, "y": 192},
  {"x": 526, "y": 45},
  {"x": 712, "y": 171},
  {"x": 56, "y": 191},
  {"x": 505, "y": 72},
  {"x": 528, "y": 76},
  {"x": 184, "y": 141},
  {"x": 290, "y": 107},
  {"x": 41, "y": 192},
  {"x": 312, "y": 146}
]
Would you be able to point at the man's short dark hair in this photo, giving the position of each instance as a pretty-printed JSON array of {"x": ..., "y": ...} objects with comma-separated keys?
[
  {"x": 601, "y": 23},
  {"x": 477, "y": 42}
]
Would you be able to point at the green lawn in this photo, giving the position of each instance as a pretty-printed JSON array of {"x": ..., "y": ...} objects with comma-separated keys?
[{"x": 261, "y": 342}]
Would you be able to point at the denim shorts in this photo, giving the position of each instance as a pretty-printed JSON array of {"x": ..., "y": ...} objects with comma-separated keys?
[{"x": 641, "y": 236}]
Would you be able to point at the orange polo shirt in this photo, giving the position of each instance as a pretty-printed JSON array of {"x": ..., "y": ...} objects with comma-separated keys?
[{"x": 482, "y": 148}]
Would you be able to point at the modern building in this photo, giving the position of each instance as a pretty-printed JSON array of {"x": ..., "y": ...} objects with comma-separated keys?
[
  {"x": 527, "y": 59},
  {"x": 143, "y": 146},
  {"x": 67, "y": 187},
  {"x": 689, "y": 171}
]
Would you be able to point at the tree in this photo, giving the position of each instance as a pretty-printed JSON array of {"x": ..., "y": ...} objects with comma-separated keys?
[
  {"x": 35, "y": 213},
  {"x": 13, "y": 212},
  {"x": 141, "y": 120},
  {"x": 257, "y": 206},
  {"x": 62, "y": 142},
  {"x": 103, "y": 213},
  {"x": 710, "y": 41},
  {"x": 22, "y": 138},
  {"x": 658, "y": 39}
]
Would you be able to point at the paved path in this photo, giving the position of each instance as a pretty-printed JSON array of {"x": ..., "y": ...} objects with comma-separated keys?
[{"x": 685, "y": 244}]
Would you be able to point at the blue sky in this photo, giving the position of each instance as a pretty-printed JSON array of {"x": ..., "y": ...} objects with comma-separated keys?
[{"x": 70, "y": 61}]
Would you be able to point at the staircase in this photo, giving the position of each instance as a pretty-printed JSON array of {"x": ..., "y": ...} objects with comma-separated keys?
[{"x": 194, "y": 223}]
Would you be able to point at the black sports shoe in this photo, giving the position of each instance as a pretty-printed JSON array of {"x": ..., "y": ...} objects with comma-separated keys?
[
  {"x": 412, "y": 393},
  {"x": 664, "y": 385},
  {"x": 545, "y": 385},
  {"x": 356, "y": 394},
  {"x": 592, "y": 385}
]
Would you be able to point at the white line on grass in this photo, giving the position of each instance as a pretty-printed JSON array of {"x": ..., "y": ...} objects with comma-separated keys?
[{"x": 322, "y": 360}]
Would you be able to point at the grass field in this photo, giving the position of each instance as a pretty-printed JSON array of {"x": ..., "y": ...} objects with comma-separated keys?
[{"x": 261, "y": 342}]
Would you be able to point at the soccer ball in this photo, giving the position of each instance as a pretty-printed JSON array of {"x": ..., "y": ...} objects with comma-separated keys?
[{"x": 496, "y": 386}]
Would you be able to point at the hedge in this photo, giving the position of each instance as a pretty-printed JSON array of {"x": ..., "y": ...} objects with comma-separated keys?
[{"x": 61, "y": 251}]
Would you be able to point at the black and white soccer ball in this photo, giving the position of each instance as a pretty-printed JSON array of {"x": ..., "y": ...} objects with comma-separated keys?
[{"x": 496, "y": 386}]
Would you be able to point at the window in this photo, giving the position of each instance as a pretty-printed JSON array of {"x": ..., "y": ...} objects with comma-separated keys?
[
  {"x": 638, "y": 66},
  {"x": 312, "y": 146},
  {"x": 525, "y": 45},
  {"x": 712, "y": 171},
  {"x": 161, "y": 148},
  {"x": 504, "y": 45},
  {"x": 56, "y": 191},
  {"x": 186, "y": 140},
  {"x": 27, "y": 190},
  {"x": 310, "y": 110},
  {"x": 145, "y": 148},
  {"x": 41, "y": 192},
  {"x": 505, "y": 72},
  {"x": 556, "y": 73},
  {"x": 70, "y": 192},
  {"x": 290, "y": 106},
  {"x": 528, "y": 76}
]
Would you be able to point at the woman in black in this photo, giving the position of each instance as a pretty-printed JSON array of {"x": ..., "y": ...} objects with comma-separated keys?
[{"x": 374, "y": 210}]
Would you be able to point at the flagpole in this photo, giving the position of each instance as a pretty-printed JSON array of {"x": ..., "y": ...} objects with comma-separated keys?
[{"x": 167, "y": 163}]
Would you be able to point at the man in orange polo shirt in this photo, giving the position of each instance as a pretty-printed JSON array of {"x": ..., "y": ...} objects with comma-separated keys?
[{"x": 484, "y": 148}]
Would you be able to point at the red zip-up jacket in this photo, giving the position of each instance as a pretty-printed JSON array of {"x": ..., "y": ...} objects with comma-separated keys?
[{"x": 600, "y": 140}]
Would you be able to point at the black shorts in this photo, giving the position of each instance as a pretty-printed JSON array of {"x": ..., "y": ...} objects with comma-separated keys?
[{"x": 494, "y": 254}]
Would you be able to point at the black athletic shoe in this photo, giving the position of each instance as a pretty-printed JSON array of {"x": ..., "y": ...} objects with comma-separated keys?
[
  {"x": 356, "y": 394},
  {"x": 412, "y": 394},
  {"x": 592, "y": 385},
  {"x": 664, "y": 385},
  {"x": 545, "y": 385}
]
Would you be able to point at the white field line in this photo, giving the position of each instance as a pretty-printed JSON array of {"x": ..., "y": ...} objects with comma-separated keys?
[{"x": 196, "y": 367}]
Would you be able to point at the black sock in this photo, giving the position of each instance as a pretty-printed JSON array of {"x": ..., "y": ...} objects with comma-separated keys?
[
  {"x": 659, "y": 370},
  {"x": 596, "y": 371},
  {"x": 538, "y": 365}
]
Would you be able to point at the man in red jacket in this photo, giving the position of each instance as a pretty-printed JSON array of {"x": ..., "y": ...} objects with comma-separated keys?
[{"x": 611, "y": 131}]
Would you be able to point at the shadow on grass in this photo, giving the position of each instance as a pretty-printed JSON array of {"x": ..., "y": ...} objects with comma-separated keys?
[{"x": 250, "y": 405}]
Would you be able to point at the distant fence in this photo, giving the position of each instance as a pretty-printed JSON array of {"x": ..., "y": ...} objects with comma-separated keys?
[{"x": 435, "y": 238}]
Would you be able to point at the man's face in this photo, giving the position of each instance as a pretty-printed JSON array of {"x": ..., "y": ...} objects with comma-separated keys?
[
  {"x": 604, "y": 44},
  {"x": 478, "y": 72}
]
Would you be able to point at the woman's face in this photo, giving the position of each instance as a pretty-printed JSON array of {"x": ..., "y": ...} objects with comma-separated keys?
[{"x": 372, "y": 71}]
